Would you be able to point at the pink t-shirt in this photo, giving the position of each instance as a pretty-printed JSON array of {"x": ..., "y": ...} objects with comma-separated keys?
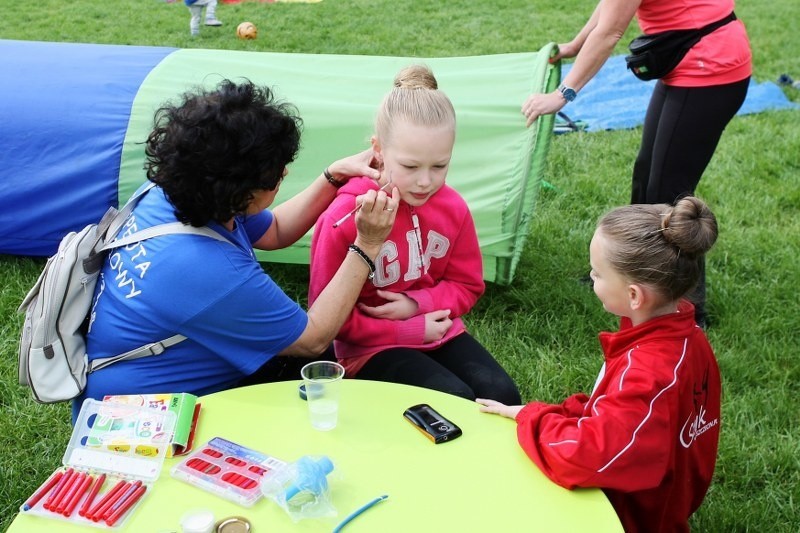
[{"x": 720, "y": 57}]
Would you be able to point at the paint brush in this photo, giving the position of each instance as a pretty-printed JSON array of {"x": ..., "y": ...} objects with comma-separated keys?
[{"x": 356, "y": 208}]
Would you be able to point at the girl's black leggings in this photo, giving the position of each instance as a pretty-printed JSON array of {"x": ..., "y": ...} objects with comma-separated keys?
[{"x": 461, "y": 367}]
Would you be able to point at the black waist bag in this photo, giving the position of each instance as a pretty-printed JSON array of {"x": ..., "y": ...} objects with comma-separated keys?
[{"x": 655, "y": 56}]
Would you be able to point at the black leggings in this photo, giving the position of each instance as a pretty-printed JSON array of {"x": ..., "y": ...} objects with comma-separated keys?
[
  {"x": 682, "y": 128},
  {"x": 461, "y": 367},
  {"x": 283, "y": 368}
]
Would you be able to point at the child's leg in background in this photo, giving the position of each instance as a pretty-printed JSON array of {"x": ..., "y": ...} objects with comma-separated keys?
[
  {"x": 211, "y": 14},
  {"x": 197, "y": 12},
  {"x": 474, "y": 365}
]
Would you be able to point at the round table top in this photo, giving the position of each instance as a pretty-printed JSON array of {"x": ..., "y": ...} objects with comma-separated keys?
[{"x": 481, "y": 481}]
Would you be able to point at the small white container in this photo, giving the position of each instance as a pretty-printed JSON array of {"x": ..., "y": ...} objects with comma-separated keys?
[{"x": 197, "y": 521}]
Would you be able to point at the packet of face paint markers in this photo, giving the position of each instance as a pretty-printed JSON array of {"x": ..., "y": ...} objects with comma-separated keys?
[
  {"x": 114, "y": 456},
  {"x": 185, "y": 406},
  {"x": 227, "y": 469}
]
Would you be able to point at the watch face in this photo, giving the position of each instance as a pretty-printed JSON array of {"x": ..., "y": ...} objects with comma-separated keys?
[{"x": 568, "y": 93}]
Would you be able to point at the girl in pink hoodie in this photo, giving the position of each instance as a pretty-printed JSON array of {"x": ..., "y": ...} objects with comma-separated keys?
[{"x": 407, "y": 325}]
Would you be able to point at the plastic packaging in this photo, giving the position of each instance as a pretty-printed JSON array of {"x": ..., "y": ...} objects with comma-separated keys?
[
  {"x": 227, "y": 469},
  {"x": 114, "y": 456},
  {"x": 301, "y": 488}
]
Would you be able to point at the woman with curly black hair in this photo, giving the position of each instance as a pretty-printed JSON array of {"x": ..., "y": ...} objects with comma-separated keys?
[{"x": 217, "y": 159}]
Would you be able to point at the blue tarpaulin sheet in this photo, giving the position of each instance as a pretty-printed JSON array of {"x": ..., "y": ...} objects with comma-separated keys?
[{"x": 616, "y": 99}]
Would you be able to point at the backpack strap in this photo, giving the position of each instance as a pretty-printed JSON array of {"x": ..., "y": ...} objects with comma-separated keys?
[
  {"x": 108, "y": 229},
  {"x": 154, "y": 348},
  {"x": 164, "y": 229}
]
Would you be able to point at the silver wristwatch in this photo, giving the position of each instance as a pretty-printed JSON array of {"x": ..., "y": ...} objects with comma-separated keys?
[{"x": 568, "y": 93}]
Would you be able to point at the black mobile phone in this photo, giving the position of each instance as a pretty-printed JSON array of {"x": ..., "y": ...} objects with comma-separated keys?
[{"x": 432, "y": 424}]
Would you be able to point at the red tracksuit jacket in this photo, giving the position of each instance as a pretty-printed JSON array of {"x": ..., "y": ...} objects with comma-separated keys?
[{"x": 648, "y": 434}]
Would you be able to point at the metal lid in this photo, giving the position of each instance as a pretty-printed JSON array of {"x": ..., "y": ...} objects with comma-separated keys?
[{"x": 233, "y": 524}]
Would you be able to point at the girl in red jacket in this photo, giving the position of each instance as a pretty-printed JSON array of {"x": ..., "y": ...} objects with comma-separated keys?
[
  {"x": 407, "y": 327},
  {"x": 648, "y": 433}
]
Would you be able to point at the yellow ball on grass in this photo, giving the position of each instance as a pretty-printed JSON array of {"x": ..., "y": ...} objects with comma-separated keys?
[{"x": 246, "y": 30}]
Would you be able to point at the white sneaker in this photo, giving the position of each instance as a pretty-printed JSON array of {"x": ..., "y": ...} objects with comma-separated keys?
[{"x": 213, "y": 22}]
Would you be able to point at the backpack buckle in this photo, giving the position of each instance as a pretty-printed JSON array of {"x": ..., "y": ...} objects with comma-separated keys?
[{"x": 156, "y": 348}]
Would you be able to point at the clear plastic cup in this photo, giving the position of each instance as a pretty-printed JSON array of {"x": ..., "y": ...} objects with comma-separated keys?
[{"x": 322, "y": 380}]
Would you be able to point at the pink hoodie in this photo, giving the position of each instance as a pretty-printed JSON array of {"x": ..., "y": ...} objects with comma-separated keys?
[{"x": 448, "y": 274}]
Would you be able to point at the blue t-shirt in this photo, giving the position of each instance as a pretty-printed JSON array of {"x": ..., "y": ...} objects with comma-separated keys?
[{"x": 215, "y": 293}]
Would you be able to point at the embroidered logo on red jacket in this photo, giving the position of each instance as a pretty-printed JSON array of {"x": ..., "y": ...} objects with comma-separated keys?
[
  {"x": 693, "y": 428},
  {"x": 696, "y": 424}
]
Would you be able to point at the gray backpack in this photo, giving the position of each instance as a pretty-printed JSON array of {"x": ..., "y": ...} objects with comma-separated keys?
[{"x": 52, "y": 350}]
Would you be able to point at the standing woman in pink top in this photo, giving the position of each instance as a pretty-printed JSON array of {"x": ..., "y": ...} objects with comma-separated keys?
[{"x": 690, "y": 106}]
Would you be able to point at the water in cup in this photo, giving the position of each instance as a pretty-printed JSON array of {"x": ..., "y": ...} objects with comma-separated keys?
[
  {"x": 322, "y": 380},
  {"x": 323, "y": 414}
]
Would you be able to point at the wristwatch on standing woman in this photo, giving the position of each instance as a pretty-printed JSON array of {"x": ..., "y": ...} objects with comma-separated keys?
[{"x": 568, "y": 93}]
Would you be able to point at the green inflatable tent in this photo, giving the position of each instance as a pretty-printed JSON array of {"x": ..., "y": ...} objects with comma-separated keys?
[{"x": 496, "y": 164}]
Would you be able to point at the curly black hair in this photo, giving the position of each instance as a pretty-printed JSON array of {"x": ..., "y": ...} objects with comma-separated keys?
[{"x": 217, "y": 146}]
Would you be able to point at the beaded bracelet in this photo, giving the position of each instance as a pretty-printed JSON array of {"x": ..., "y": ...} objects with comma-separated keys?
[
  {"x": 333, "y": 181},
  {"x": 356, "y": 250}
]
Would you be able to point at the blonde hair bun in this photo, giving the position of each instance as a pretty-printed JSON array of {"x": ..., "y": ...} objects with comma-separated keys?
[
  {"x": 416, "y": 77},
  {"x": 416, "y": 99}
]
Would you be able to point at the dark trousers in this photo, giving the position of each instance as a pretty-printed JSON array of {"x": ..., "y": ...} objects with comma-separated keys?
[
  {"x": 283, "y": 368},
  {"x": 682, "y": 128},
  {"x": 461, "y": 367}
]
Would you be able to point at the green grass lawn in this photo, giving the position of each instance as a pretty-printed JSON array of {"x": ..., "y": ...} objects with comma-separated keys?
[{"x": 544, "y": 326}]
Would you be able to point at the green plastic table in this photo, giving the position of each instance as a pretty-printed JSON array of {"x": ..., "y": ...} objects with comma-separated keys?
[{"x": 481, "y": 481}]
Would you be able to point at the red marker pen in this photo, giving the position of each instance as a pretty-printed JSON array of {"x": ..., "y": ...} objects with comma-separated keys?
[
  {"x": 105, "y": 501},
  {"x": 92, "y": 495},
  {"x": 44, "y": 489},
  {"x": 53, "y": 495},
  {"x": 87, "y": 480},
  {"x": 121, "y": 499},
  {"x": 127, "y": 504},
  {"x": 65, "y": 488},
  {"x": 64, "y": 500}
]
